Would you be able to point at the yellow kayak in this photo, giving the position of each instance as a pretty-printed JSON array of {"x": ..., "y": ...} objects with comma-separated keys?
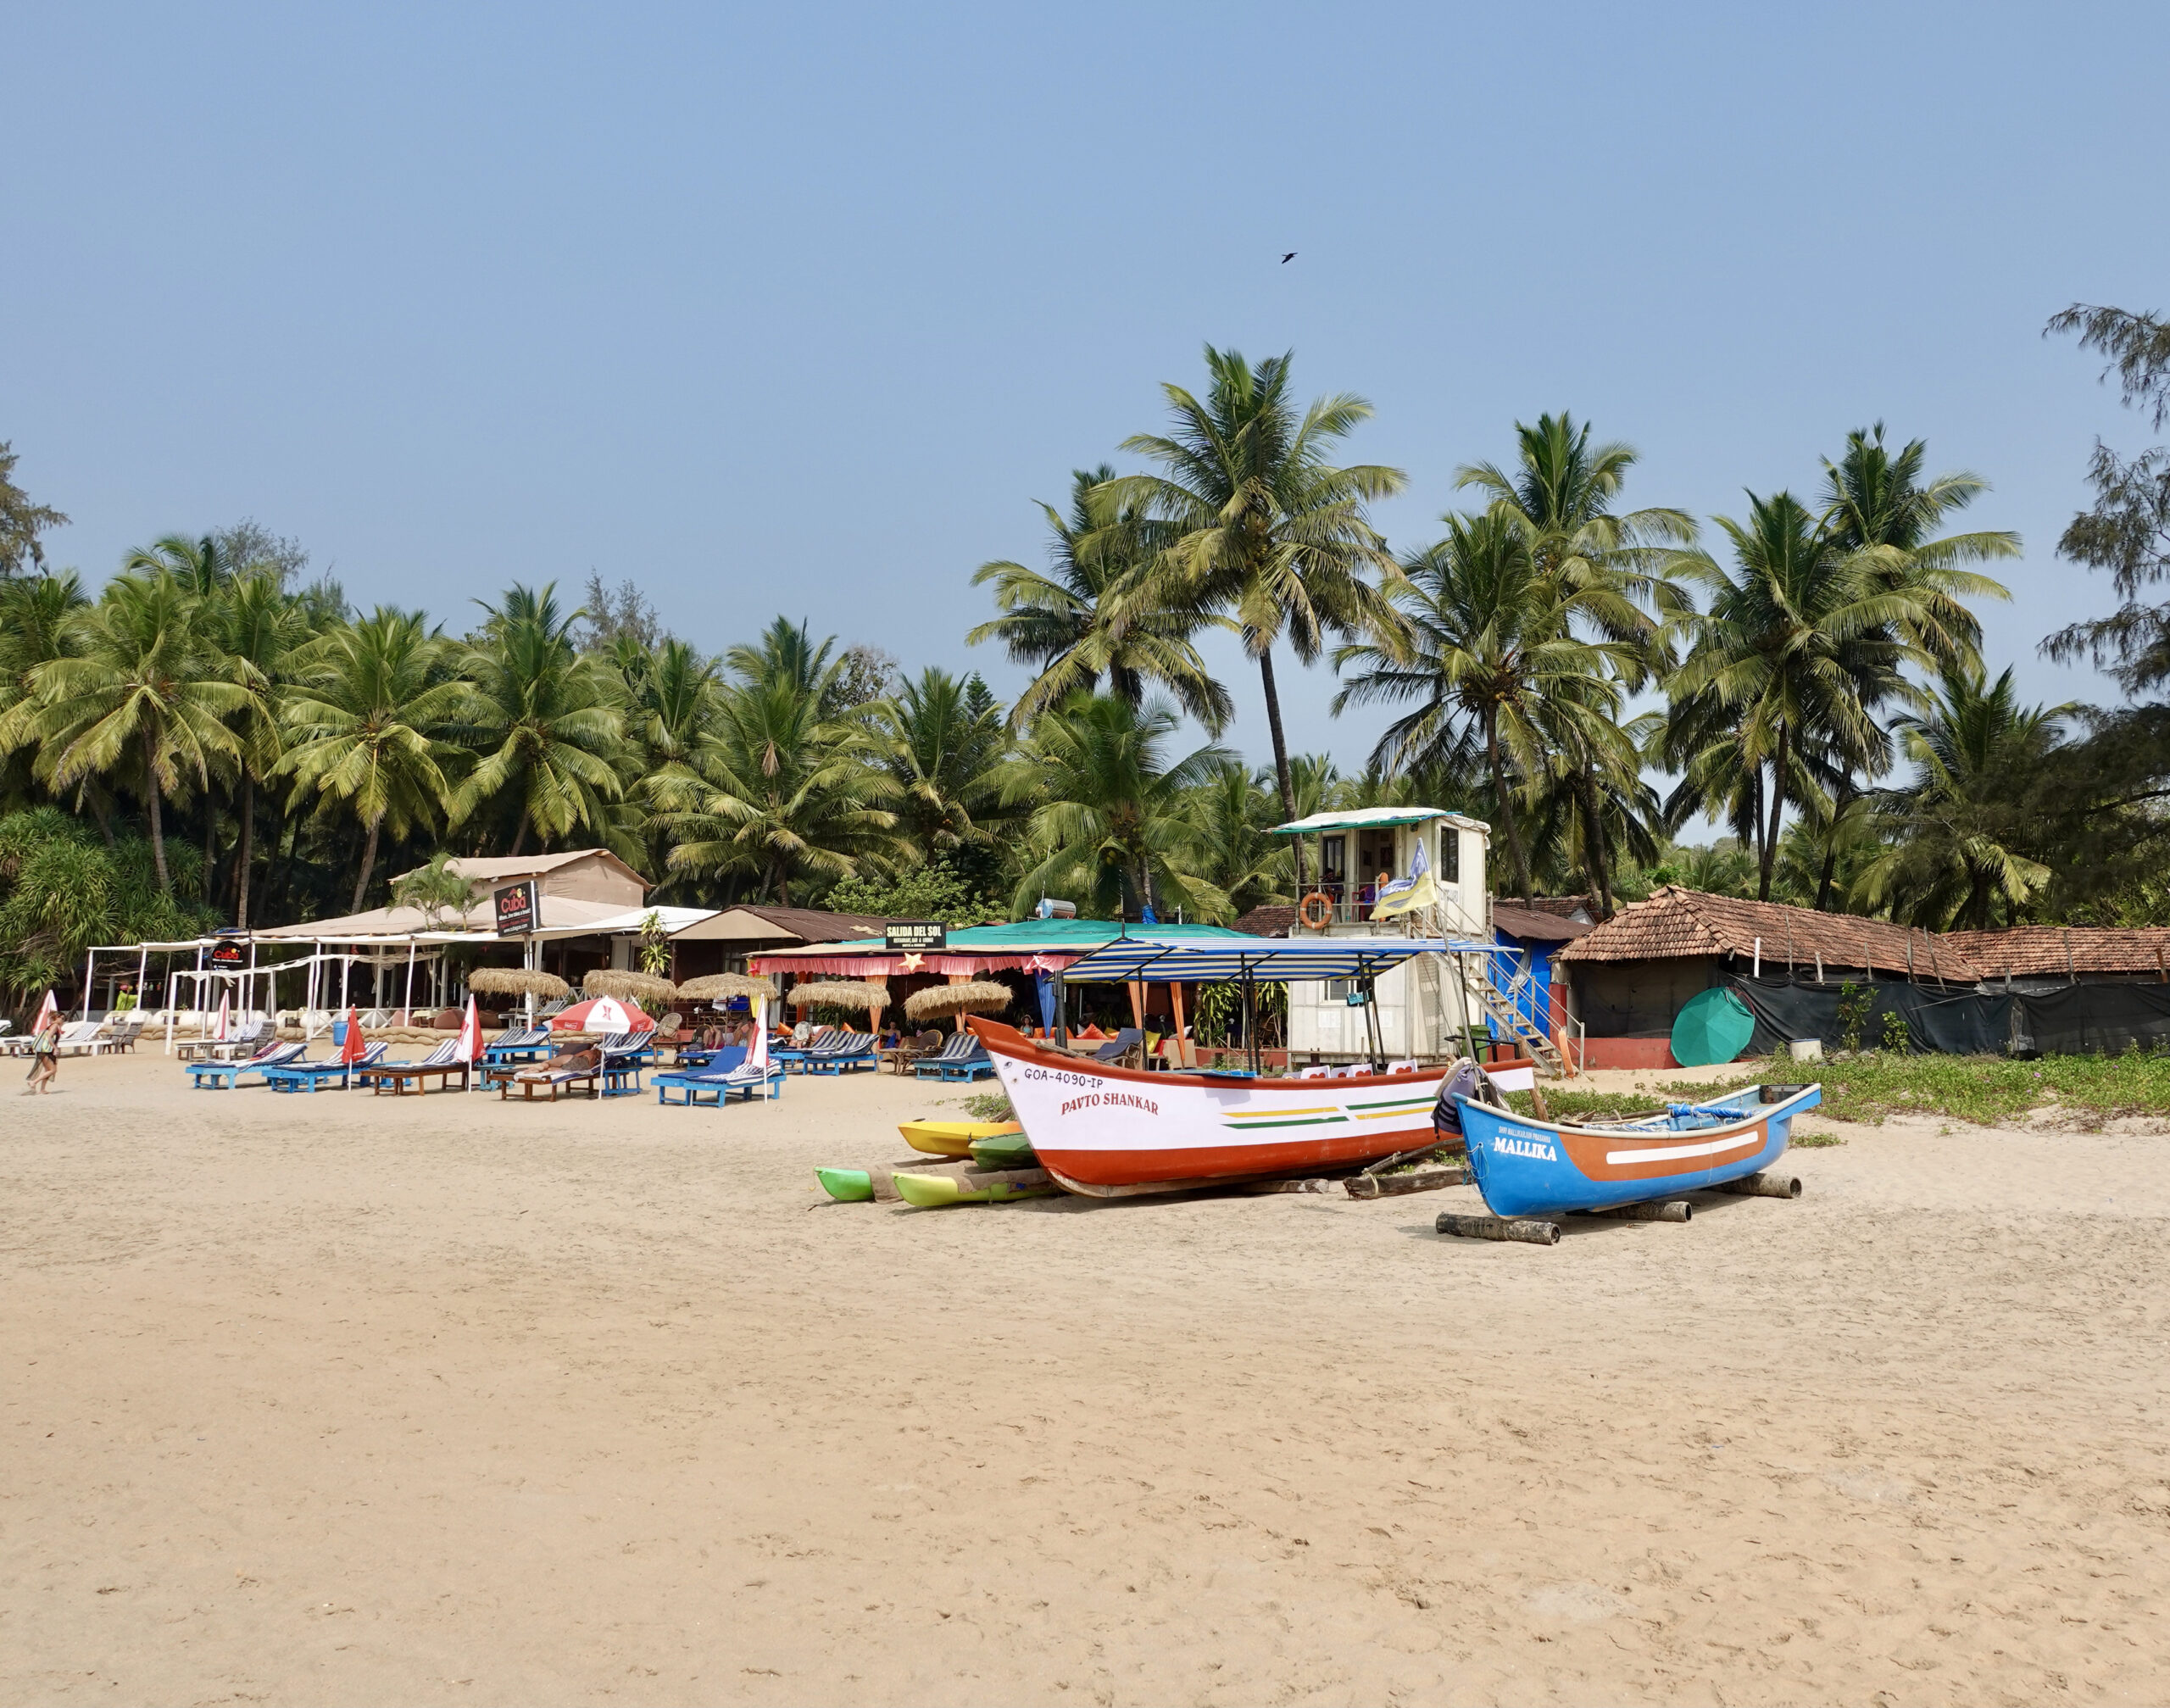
[
  {"x": 951, "y": 1138},
  {"x": 936, "y": 1191}
]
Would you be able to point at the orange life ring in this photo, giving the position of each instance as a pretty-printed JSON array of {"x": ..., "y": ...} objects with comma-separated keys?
[{"x": 1325, "y": 914}]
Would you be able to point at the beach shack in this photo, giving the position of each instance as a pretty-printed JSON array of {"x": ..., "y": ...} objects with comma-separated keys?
[{"x": 1390, "y": 872}]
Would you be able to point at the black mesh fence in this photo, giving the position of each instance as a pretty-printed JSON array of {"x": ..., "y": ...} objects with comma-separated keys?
[{"x": 2036, "y": 1018}]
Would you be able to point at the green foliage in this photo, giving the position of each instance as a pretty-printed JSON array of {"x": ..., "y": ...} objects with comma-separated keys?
[
  {"x": 935, "y": 892},
  {"x": 434, "y": 890},
  {"x": 988, "y": 1106},
  {"x": 1220, "y": 1016},
  {"x": 21, "y": 521},
  {"x": 1895, "y": 1036},
  {"x": 1855, "y": 1002},
  {"x": 1990, "y": 1090},
  {"x": 62, "y": 892}
]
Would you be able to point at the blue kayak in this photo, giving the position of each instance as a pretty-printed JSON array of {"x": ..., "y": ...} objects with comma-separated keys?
[{"x": 1525, "y": 1167}]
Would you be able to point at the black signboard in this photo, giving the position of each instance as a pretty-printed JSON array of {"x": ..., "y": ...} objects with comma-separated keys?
[
  {"x": 916, "y": 936},
  {"x": 515, "y": 909},
  {"x": 227, "y": 954}
]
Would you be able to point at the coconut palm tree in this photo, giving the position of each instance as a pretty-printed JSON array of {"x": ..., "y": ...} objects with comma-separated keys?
[
  {"x": 1874, "y": 498},
  {"x": 260, "y": 628},
  {"x": 1098, "y": 613},
  {"x": 1503, "y": 681},
  {"x": 1802, "y": 640},
  {"x": 364, "y": 720},
  {"x": 38, "y": 625},
  {"x": 1955, "y": 831},
  {"x": 779, "y": 794},
  {"x": 1111, "y": 823},
  {"x": 1234, "y": 810},
  {"x": 550, "y": 719},
  {"x": 147, "y": 698},
  {"x": 1265, "y": 527},
  {"x": 1560, "y": 495},
  {"x": 198, "y": 565},
  {"x": 940, "y": 739}
]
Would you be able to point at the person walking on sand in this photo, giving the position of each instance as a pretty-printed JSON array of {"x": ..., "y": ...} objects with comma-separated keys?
[{"x": 45, "y": 1056}]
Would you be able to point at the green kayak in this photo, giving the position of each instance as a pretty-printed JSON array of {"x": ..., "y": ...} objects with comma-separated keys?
[
  {"x": 847, "y": 1185},
  {"x": 935, "y": 1191},
  {"x": 1004, "y": 1150}
]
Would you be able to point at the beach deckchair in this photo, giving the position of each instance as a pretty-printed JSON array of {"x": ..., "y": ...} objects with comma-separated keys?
[
  {"x": 793, "y": 1055},
  {"x": 963, "y": 1057},
  {"x": 315, "y": 1075},
  {"x": 224, "y": 1075},
  {"x": 442, "y": 1061},
  {"x": 847, "y": 1053},
  {"x": 559, "y": 1073},
  {"x": 620, "y": 1069},
  {"x": 1127, "y": 1045},
  {"x": 520, "y": 1045},
  {"x": 717, "y": 1086}
]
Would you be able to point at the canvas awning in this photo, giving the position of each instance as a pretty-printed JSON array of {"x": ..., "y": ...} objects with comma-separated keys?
[{"x": 1133, "y": 959}]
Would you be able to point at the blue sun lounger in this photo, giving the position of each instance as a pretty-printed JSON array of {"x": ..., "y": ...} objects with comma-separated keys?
[
  {"x": 846, "y": 1053},
  {"x": 963, "y": 1057},
  {"x": 224, "y": 1075},
  {"x": 717, "y": 1085},
  {"x": 314, "y": 1076}
]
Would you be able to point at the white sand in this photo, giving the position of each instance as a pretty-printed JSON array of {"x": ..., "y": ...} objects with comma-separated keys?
[{"x": 330, "y": 1400}]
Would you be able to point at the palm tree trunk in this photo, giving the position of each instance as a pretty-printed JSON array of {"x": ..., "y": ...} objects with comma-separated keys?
[
  {"x": 1280, "y": 757},
  {"x": 246, "y": 852},
  {"x": 1770, "y": 849},
  {"x": 1598, "y": 856},
  {"x": 520, "y": 836},
  {"x": 1841, "y": 800},
  {"x": 369, "y": 865},
  {"x": 158, "y": 828},
  {"x": 210, "y": 845},
  {"x": 1506, "y": 809}
]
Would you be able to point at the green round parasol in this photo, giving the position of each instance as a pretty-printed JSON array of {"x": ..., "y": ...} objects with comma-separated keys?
[{"x": 1714, "y": 1027}]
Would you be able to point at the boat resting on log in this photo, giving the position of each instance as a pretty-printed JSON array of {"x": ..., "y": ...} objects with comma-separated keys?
[
  {"x": 1108, "y": 1132},
  {"x": 1525, "y": 1167}
]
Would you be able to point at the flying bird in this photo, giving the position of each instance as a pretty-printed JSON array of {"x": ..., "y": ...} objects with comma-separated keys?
[{"x": 1288, "y": 258}]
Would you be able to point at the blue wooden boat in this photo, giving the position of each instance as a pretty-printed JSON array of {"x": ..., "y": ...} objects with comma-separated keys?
[{"x": 1525, "y": 1167}]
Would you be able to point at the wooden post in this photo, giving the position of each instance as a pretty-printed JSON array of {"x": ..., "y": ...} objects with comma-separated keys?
[
  {"x": 1137, "y": 1004},
  {"x": 1763, "y": 1186},
  {"x": 1523, "y": 1230},
  {"x": 1671, "y": 1210},
  {"x": 1415, "y": 1180},
  {"x": 1176, "y": 1002}
]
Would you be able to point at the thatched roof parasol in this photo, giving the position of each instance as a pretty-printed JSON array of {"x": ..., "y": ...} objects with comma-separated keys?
[
  {"x": 839, "y": 993},
  {"x": 514, "y": 981},
  {"x": 977, "y": 996},
  {"x": 709, "y": 987},
  {"x": 641, "y": 987}
]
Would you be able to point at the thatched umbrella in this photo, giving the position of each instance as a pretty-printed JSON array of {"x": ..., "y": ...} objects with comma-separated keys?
[
  {"x": 644, "y": 987},
  {"x": 514, "y": 981},
  {"x": 975, "y": 996},
  {"x": 714, "y": 986},
  {"x": 837, "y": 993}
]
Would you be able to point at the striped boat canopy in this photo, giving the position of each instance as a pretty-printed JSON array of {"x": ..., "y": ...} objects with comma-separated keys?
[{"x": 1129, "y": 958}]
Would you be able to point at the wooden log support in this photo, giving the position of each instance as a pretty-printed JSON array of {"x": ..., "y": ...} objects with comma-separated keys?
[
  {"x": 1668, "y": 1210},
  {"x": 1415, "y": 1180},
  {"x": 1524, "y": 1230},
  {"x": 1763, "y": 1186},
  {"x": 1265, "y": 1186}
]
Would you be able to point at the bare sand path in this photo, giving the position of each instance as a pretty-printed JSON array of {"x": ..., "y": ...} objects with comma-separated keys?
[{"x": 330, "y": 1400}]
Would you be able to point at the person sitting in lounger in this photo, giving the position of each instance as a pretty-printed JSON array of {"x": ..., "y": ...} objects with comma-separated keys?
[{"x": 583, "y": 1059}]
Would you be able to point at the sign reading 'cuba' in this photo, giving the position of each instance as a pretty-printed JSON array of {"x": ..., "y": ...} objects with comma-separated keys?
[{"x": 515, "y": 909}]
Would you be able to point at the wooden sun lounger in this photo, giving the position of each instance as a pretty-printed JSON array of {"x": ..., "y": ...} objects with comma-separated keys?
[
  {"x": 399, "y": 1074},
  {"x": 314, "y": 1076},
  {"x": 586, "y": 1069}
]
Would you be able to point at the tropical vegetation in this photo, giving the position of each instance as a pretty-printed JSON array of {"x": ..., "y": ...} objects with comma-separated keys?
[{"x": 1790, "y": 702}]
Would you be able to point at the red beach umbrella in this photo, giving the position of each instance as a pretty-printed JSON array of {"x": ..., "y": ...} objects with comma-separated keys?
[{"x": 603, "y": 1014}]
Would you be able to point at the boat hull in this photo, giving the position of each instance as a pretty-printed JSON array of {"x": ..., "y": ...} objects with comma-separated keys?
[
  {"x": 1524, "y": 1166},
  {"x": 1098, "y": 1129}
]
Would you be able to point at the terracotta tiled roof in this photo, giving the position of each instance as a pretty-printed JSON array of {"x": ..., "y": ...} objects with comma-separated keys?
[
  {"x": 1539, "y": 923},
  {"x": 1566, "y": 906},
  {"x": 2031, "y": 951},
  {"x": 1269, "y": 920},
  {"x": 1677, "y": 922}
]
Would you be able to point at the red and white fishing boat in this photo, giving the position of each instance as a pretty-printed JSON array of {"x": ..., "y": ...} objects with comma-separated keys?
[{"x": 1109, "y": 1132}]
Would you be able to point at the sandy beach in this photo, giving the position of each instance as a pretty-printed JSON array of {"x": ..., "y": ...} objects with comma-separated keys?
[{"x": 334, "y": 1399}]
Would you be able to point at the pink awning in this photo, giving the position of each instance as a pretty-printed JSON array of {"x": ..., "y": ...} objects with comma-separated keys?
[{"x": 893, "y": 966}]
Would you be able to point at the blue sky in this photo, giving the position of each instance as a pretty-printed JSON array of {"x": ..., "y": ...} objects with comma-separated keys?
[{"x": 798, "y": 308}]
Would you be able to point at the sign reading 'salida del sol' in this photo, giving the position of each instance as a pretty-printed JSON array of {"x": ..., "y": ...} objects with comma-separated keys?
[
  {"x": 515, "y": 909},
  {"x": 915, "y": 936}
]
